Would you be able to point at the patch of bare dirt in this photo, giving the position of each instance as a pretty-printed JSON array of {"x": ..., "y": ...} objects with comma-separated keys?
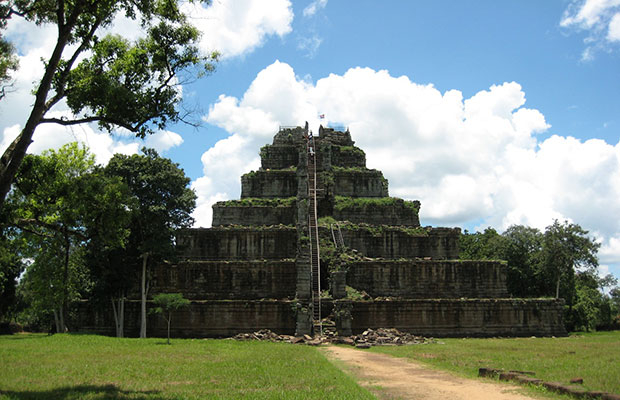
[{"x": 396, "y": 378}]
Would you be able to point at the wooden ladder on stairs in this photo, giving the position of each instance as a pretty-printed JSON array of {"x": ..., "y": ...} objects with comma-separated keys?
[{"x": 313, "y": 228}]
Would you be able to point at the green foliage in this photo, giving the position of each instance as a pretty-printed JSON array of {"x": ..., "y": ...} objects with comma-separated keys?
[
  {"x": 163, "y": 201},
  {"x": 352, "y": 150},
  {"x": 375, "y": 230},
  {"x": 560, "y": 262},
  {"x": 567, "y": 248},
  {"x": 105, "y": 79},
  {"x": 259, "y": 202},
  {"x": 163, "y": 204},
  {"x": 488, "y": 245},
  {"x": 167, "y": 303},
  {"x": 97, "y": 367},
  {"x": 8, "y": 64},
  {"x": 342, "y": 203},
  {"x": 355, "y": 295},
  {"x": 62, "y": 202}
]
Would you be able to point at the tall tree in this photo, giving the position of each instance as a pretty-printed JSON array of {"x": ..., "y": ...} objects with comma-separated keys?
[
  {"x": 59, "y": 198},
  {"x": 163, "y": 204},
  {"x": 522, "y": 251},
  {"x": 567, "y": 248},
  {"x": 487, "y": 245},
  {"x": 11, "y": 267},
  {"x": 117, "y": 83}
]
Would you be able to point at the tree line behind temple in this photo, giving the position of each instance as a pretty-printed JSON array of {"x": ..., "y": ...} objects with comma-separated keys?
[
  {"x": 560, "y": 262},
  {"x": 72, "y": 230},
  {"x": 75, "y": 230}
]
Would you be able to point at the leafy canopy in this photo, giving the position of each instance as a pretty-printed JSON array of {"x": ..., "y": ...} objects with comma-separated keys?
[{"x": 109, "y": 80}]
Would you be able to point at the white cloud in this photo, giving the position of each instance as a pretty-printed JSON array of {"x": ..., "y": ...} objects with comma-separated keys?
[
  {"x": 313, "y": 7},
  {"x": 599, "y": 18},
  {"x": 163, "y": 140},
  {"x": 613, "y": 34},
  {"x": 310, "y": 45},
  {"x": 236, "y": 27},
  {"x": 476, "y": 159}
]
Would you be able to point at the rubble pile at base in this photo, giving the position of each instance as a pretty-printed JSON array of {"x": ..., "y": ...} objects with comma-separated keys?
[{"x": 370, "y": 337}]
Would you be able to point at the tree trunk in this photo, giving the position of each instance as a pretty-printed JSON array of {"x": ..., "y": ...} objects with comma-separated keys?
[
  {"x": 169, "y": 318},
  {"x": 115, "y": 316},
  {"x": 63, "y": 327},
  {"x": 118, "y": 306},
  {"x": 122, "y": 316},
  {"x": 14, "y": 154},
  {"x": 65, "y": 281},
  {"x": 56, "y": 321},
  {"x": 557, "y": 288},
  {"x": 143, "y": 292}
]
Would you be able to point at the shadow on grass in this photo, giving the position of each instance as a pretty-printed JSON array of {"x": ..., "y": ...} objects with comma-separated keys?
[{"x": 100, "y": 392}]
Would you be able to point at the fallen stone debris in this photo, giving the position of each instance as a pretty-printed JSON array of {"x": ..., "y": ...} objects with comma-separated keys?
[
  {"x": 528, "y": 379},
  {"x": 370, "y": 337}
]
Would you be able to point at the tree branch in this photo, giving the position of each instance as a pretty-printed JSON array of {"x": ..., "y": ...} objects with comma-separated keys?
[
  {"x": 64, "y": 75},
  {"x": 23, "y": 223},
  {"x": 68, "y": 122}
]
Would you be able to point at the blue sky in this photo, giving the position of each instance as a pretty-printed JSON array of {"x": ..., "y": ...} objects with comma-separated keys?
[{"x": 490, "y": 112}]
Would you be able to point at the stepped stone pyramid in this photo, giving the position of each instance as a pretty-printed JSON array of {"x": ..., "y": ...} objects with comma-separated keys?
[{"x": 315, "y": 242}]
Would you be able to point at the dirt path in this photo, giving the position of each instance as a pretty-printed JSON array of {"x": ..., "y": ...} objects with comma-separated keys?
[{"x": 398, "y": 378}]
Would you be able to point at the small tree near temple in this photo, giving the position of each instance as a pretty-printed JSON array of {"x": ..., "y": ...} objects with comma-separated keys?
[{"x": 166, "y": 304}]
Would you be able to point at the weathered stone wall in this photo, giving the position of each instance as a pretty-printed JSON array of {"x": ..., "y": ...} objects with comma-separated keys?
[
  {"x": 348, "y": 157},
  {"x": 207, "y": 318},
  {"x": 279, "y": 156},
  {"x": 391, "y": 214},
  {"x": 238, "y": 243},
  {"x": 253, "y": 215},
  {"x": 290, "y": 136},
  {"x": 359, "y": 183},
  {"x": 336, "y": 137},
  {"x": 272, "y": 183},
  {"x": 438, "y": 244},
  {"x": 430, "y": 279},
  {"x": 464, "y": 317},
  {"x": 228, "y": 280}
]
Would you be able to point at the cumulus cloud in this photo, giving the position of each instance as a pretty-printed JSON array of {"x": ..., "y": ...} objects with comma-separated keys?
[
  {"x": 163, "y": 140},
  {"x": 599, "y": 18},
  {"x": 232, "y": 27},
  {"x": 236, "y": 27},
  {"x": 473, "y": 160}
]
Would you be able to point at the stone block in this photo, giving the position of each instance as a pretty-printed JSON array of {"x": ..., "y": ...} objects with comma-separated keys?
[
  {"x": 394, "y": 243},
  {"x": 206, "y": 318},
  {"x": 195, "y": 280},
  {"x": 377, "y": 211},
  {"x": 280, "y": 156},
  {"x": 419, "y": 279},
  {"x": 359, "y": 183},
  {"x": 241, "y": 213},
  {"x": 238, "y": 243},
  {"x": 462, "y": 317},
  {"x": 269, "y": 183}
]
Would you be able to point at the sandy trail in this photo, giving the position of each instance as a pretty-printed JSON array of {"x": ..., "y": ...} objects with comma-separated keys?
[{"x": 398, "y": 378}]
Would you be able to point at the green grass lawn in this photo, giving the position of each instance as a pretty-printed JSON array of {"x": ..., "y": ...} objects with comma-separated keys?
[
  {"x": 595, "y": 357},
  {"x": 96, "y": 367}
]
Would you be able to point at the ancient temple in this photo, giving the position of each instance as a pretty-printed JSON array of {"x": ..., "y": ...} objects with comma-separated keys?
[{"x": 316, "y": 243}]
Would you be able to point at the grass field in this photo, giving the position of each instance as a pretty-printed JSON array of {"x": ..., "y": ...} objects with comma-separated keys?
[
  {"x": 97, "y": 367},
  {"x": 595, "y": 357}
]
